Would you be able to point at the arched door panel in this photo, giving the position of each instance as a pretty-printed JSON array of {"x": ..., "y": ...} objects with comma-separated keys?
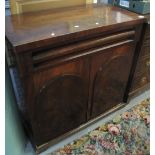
[
  {"x": 110, "y": 76},
  {"x": 61, "y": 100}
]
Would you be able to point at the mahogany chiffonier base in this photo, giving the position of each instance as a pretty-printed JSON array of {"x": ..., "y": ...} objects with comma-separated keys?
[{"x": 73, "y": 65}]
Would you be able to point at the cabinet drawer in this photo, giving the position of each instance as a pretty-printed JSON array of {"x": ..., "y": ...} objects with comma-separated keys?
[
  {"x": 145, "y": 51},
  {"x": 146, "y": 42},
  {"x": 140, "y": 81},
  {"x": 147, "y": 32},
  {"x": 143, "y": 66},
  {"x": 141, "y": 77},
  {"x": 42, "y": 59}
]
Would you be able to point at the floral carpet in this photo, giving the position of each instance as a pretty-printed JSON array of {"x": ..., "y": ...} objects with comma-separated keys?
[{"x": 126, "y": 134}]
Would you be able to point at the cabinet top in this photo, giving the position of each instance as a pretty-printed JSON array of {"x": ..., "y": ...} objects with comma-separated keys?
[{"x": 45, "y": 28}]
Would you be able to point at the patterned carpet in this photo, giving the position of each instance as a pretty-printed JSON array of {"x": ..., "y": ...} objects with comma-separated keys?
[{"x": 126, "y": 134}]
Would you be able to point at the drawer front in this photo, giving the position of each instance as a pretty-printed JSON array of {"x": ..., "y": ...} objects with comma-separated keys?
[
  {"x": 44, "y": 59},
  {"x": 145, "y": 51},
  {"x": 147, "y": 32},
  {"x": 146, "y": 42},
  {"x": 143, "y": 66},
  {"x": 147, "y": 37},
  {"x": 140, "y": 81}
]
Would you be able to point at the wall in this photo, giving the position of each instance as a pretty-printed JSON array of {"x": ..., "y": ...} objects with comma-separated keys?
[
  {"x": 15, "y": 139},
  {"x": 21, "y": 6}
]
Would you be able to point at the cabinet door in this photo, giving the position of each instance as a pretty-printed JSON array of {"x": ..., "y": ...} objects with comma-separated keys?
[
  {"x": 61, "y": 100},
  {"x": 109, "y": 75}
]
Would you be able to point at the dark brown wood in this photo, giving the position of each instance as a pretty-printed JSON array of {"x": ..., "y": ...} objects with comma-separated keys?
[
  {"x": 141, "y": 77},
  {"x": 61, "y": 96},
  {"x": 63, "y": 101},
  {"x": 74, "y": 65},
  {"x": 109, "y": 75},
  {"x": 78, "y": 47},
  {"x": 47, "y": 28}
]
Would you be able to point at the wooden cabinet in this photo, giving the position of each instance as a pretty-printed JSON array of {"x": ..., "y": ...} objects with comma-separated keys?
[
  {"x": 71, "y": 69},
  {"x": 60, "y": 89},
  {"x": 141, "y": 77}
]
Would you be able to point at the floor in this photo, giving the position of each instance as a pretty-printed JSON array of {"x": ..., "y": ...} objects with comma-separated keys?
[{"x": 132, "y": 102}]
